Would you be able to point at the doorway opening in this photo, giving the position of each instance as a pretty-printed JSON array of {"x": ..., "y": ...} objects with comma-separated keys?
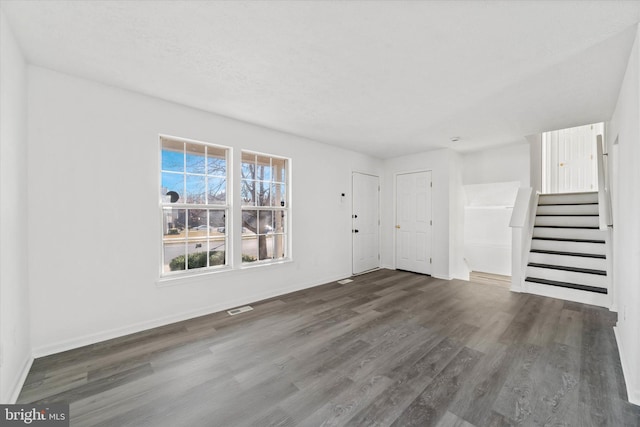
[{"x": 569, "y": 163}]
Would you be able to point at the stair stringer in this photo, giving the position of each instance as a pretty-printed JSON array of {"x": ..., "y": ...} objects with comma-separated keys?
[
  {"x": 609, "y": 251},
  {"x": 528, "y": 241}
]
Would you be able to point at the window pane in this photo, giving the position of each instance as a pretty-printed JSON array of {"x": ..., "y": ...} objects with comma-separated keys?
[
  {"x": 172, "y": 156},
  {"x": 173, "y": 223},
  {"x": 279, "y": 242},
  {"x": 247, "y": 192},
  {"x": 198, "y": 257},
  {"x": 172, "y": 182},
  {"x": 249, "y": 248},
  {"x": 263, "y": 191},
  {"x": 197, "y": 223},
  {"x": 217, "y": 191},
  {"x": 217, "y": 222},
  {"x": 195, "y": 189},
  {"x": 174, "y": 257},
  {"x": 278, "y": 195},
  {"x": 249, "y": 222},
  {"x": 265, "y": 223},
  {"x": 248, "y": 166},
  {"x": 195, "y": 158},
  {"x": 217, "y": 161},
  {"x": 263, "y": 169},
  {"x": 217, "y": 252},
  {"x": 280, "y": 221},
  {"x": 279, "y": 168},
  {"x": 265, "y": 247}
]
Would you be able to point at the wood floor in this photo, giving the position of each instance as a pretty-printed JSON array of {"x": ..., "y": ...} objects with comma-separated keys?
[{"x": 390, "y": 348}]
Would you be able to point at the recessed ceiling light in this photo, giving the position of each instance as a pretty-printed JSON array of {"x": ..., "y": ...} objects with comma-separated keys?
[{"x": 454, "y": 139}]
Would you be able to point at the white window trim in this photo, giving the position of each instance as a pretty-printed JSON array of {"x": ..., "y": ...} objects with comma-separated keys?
[
  {"x": 170, "y": 276},
  {"x": 234, "y": 210}
]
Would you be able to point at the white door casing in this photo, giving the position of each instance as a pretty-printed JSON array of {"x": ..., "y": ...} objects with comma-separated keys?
[
  {"x": 413, "y": 222},
  {"x": 365, "y": 223}
]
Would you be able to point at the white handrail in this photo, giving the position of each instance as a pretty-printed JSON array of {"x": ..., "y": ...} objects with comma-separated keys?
[{"x": 604, "y": 199}]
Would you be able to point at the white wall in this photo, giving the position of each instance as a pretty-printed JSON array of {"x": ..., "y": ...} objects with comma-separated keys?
[
  {"x": 535, "y": 155},
  {"x": 440, "y": 163},
  {"x": 501, "y": 164},
  {"x": 458, "y": 267},
  {"x": 491, "y": 178},
  {"x": 15, "y": 349},
  {"x": 625, "y": 129},
  {"x": 95, "y": 225}
]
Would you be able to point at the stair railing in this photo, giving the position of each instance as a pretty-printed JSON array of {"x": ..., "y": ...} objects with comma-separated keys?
[{"x": 604, "y": 198}]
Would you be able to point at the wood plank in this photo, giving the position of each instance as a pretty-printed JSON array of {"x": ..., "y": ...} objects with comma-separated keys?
[
  {"x": 432, "y": 403},
  {"x": 390, "y": 347}
]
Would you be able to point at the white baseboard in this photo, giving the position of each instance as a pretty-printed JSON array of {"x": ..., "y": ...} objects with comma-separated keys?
[
  {"x": 17, "y": 386},
  {"x": 73, "y": 343},
  {"x": 633, "y": 391}
]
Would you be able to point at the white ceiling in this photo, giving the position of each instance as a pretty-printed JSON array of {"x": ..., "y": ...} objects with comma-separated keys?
[{"x": 383, "y": 78}]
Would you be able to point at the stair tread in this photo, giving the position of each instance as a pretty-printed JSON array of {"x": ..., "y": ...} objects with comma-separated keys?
[
  {"x": 566, "y": 268},
  {"x": 580, "y": 254},
  {"x": 574, "y": 193},
  {"x": 562, "y": 239},
  {"x": 567, "y": 226},
  {"x": 567, "y": 285},
  {"x": 567, "y": 204},
  {"x": 577, "y": 214}
]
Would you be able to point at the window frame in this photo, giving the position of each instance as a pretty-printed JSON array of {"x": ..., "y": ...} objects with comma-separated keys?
[
  {"x": 284, "y": 206},
  {"x": 184, "y": 205},
  {"x": 233, "y": 211}
]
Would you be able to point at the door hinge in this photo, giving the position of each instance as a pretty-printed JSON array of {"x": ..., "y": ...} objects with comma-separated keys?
[
  {"x": 378, "y": 188},
  {"x": 431, "y": 184},
  {"x": 430, "y": 222},
  {"x": 430, "y": 261}
]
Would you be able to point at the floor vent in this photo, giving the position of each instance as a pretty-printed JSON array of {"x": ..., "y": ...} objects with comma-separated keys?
[
  {"x": 345, "y": 281},
  {"x": 239, "y": 310}
]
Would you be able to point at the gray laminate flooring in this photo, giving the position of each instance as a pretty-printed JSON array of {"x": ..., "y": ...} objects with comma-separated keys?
[{"x": 389, "y": 349}]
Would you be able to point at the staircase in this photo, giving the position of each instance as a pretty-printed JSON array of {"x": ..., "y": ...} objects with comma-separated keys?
[{"x": 568, "y": 255}]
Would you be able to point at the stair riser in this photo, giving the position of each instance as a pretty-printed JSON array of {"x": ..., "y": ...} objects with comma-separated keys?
[
  {"x": 574, "y": 198},
  {"x": 583, "y": 297},
  {"x": 567, "y": 210},
  {"x": 567, "y": 221},
  {"x": 569, "y": 233},
  {"x": 568, "y": 276},
  {"x": 579, "y": 247},
  {"x": 568, "y": 261}
]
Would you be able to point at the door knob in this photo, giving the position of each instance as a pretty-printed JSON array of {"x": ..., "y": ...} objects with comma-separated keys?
[
  {"x": 397, "y": 226},
  {"x": 356, "y": 231}
]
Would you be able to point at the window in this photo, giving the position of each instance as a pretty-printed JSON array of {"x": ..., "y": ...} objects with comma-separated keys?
[
  {"x": 194, "y": 205},
  {"x": 264, "y": 207}
]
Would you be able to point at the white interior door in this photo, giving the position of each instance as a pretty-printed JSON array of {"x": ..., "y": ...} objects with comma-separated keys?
[
  {"x": 569, "y": 157},
  {"x": 413, "y": 222},
  {"x": 365, "y": 222}
]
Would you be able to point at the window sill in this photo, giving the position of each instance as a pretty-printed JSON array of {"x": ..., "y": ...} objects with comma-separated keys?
[
  {"x": 258, "y": 264},
  {"x": 187, "y": 278}
]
